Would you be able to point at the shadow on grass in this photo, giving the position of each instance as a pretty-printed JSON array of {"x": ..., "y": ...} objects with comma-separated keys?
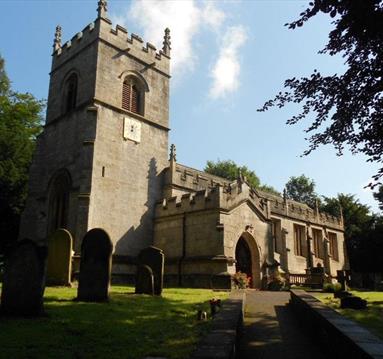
[{"x": 128, "y": 326}]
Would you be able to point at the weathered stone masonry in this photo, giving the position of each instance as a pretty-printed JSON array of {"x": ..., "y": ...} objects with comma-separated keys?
[{"x": 101, "y": 162}]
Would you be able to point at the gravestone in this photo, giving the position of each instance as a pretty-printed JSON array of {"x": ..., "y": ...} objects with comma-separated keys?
[
  {"x": 316, "y": 276},
  {"x": 353, "y": 303},
  {"x": 24, "y": 280},
  {"x": 144, "y": 280},
  {"x": 154, "y": 258},
  {"x": 95, "y": 266},
  {"x": 341, "y": 278},
  {"x": 59, "y": 258}
]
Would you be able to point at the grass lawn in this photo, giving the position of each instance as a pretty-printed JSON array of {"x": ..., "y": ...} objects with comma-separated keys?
[
  {"x": 129, "y": 326},
  {"x": 370, "y": 318}
]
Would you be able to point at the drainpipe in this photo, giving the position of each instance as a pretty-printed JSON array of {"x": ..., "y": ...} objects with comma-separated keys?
[{"x": 182, "y": 259}]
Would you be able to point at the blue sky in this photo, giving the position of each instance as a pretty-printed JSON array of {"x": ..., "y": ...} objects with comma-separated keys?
[{"x": 228, "y": 58}]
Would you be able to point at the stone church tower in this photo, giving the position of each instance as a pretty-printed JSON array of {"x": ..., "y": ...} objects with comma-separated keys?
[
  {"x": 101, "y": 162},
  {"x": 100, "y": 158}
]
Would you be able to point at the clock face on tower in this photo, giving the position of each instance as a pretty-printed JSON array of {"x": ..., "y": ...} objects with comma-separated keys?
[{"x": 132, "y": 129}]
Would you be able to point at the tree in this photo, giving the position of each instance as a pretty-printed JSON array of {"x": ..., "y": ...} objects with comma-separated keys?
[
  {"x": 302, "y": 189},
  {"x": 229, "y": 169},
  {"x": 20, "y": 123},
  {"x": 363, "y": 232},
  {"x": 356, "y": 216},
  {"x": 348, "y": 106},
  {"x": 379, "y": 197}
]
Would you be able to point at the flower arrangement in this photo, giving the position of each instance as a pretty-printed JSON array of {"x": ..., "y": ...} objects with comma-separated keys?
[
  {"x": 241, "y": 280},
  {"x": 276, "y": 282}
]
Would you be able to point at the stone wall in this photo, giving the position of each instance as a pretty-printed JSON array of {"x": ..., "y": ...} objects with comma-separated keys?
[
  {"x": 64, "y": 145},
  {"x": 126, "y": 182},
  {"x": 242, "y": 212}
]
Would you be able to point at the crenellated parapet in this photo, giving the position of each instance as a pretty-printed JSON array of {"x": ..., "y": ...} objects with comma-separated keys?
[
  {"x": 187, "y": 180},
  {"x": 194, "y": 180},
  {"x": 222, "y": 198},
  {"x": 129, "y": 45},
  {"x": 62, "y": 52},
  {"x": 190, "y": 202},
  {"x": 239, "y": 192},
  {"x": 302, "y": 212}
]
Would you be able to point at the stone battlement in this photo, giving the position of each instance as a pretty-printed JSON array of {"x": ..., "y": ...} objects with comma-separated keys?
[
  {"x": 196, "y": 180},
  {"x": 189, "y": 202},
  {"x": 220, "y": 197},
  {"x": 101, "y": 29},
  {"x": 204, "y": 188},
  {"x": 300, "y": 211}
]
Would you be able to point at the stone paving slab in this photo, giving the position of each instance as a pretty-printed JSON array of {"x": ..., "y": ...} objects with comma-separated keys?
[{"x": 272, "y": 331}]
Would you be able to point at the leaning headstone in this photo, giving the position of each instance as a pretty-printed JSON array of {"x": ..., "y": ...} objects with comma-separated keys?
[
  {"x": 154, "y": 258},
  {"x": 59, "y": 258},
  {"x": 95, "y": 266},
  {"x": 144, "y": 280},
  {"x": 24, "y": 280}
]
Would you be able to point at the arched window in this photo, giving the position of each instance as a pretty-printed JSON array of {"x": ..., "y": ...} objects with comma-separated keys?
[
  {"x": 132, "y": 95},
  {"x": 70, "y": 93},
  {"x": 59, "y": 201}
]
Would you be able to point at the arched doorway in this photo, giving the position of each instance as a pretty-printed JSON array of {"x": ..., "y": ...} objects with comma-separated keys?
[
  {"x": 248, "y": 259},
  {"x": 243, "y": 258}
]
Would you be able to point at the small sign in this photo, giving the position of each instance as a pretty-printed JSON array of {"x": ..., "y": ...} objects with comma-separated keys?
[{"x": 132, "y": 129}]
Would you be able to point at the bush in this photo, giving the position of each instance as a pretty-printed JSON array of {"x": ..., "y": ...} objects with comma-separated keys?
[
  {"x": 332, "y": 287},
  {"x": 241, "y": 280},
  {"x": 276, "y": 282}
]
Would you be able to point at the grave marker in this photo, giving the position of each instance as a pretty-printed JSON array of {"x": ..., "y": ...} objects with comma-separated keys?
[
  {"x": 95, "y": 266},
  {"x": 24, "y": 280}
]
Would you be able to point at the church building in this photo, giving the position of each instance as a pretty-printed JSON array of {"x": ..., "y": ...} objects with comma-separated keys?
[{"x": 102, "y": 161}]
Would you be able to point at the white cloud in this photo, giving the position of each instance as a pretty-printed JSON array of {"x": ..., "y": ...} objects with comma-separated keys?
[
  {"x": 226, "y": 70},
  {"x": 213, "y": 16},
  {"x": 184, "y": 19}
]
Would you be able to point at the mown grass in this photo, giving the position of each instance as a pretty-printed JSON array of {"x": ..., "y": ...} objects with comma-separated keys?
[
  {"x": 370, "y": 318},
  {"x": 129, "y": 326}
]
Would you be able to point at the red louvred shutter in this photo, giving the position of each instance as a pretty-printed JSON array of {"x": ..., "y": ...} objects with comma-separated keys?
[
  {"x": 126, "y": 96},
  {"x": 134, "y": 107}
]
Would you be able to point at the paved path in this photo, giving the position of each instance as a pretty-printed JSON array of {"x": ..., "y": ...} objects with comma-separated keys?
[{"x": 271, "y": 330}]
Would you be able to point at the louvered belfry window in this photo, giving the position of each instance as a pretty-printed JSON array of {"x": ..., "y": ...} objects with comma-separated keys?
[
  {"x": 126, "y": 90},
  {"x": 130, "y": 96}
]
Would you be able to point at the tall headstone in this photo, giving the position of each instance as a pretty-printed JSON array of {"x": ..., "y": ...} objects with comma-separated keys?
[
  {"x": 24, "y": 280},
  {"x": 144, "y": 280},
  {"x": 95, "y": 266},
  {"x": 59, "y": 258},
  {"x": 154, "y": 258}
]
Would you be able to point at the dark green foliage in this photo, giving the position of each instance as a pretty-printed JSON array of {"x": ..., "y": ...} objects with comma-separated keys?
[
  {"x": 356, "y": 216},
  {"x": 349, "y": 106},
  {"x": 302, "y": 189},
  {"x": 332, "y": 287},
  {"x": 379, "y": 197},
  {"x": 363, "y": 232},
  {"x": 20, "y": 123},
  {"x": 230, "y": 170}
]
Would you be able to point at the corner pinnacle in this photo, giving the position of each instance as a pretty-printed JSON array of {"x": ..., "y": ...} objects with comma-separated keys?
[
  {"x": 102, "y": 8},
  {"x": 57, "y": 39},
  {"x": 166, "y": 48},
  {"x": 172, "y": 156}
]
